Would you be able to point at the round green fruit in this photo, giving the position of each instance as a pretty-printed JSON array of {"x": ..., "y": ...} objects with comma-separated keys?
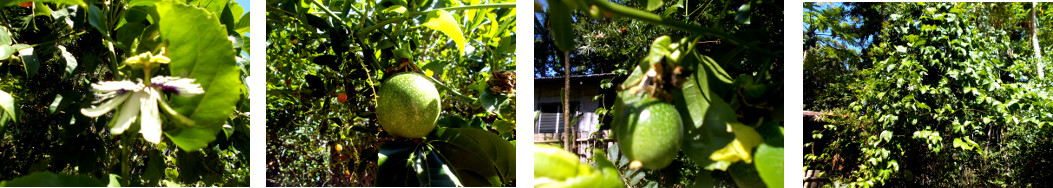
[
  {"x": 648, "y": 131},
  {"x": 408, "y": 105}
]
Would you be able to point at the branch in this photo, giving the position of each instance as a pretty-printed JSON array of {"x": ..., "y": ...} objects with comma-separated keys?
[
  {"x": 462, "y": 97},
  {"x": 675, "y": 24}
]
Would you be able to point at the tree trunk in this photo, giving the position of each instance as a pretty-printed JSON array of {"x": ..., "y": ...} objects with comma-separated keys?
[
  {"x": 568, "y": 141},
  {"x": 1034, "y": 41}
]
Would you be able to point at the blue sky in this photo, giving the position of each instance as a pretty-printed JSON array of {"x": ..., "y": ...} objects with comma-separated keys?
[{"x": 823, "y": 6}]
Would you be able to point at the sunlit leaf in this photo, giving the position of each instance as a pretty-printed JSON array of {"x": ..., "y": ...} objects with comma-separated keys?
[
  {"x": 208, "y": 57},
  {"x": 741, "y": 148},
  {"x": 769, "y": 163},
  {"x": 444, "y": 22},
  {"x": 71, "y": 62}
]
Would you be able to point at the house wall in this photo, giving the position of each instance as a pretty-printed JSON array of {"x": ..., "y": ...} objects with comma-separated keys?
[{"x": 582, "y": 91}]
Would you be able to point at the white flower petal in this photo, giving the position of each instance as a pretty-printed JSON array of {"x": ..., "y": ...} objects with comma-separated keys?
[
  {"x": 104, "y": 107},
  {"x": 128, "y": 113},
  {"x": 111, "y": 86},
  {"x": 150, "y": 120},
  {"x": 180, "y": 86}
]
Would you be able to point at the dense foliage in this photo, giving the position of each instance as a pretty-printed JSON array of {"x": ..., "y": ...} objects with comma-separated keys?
[
  {"x": 717, "y": 63},
  {"x": 939, "y": 94},
  {"x": 327, "y": 60},
  {"x": 67, "y": 64}
]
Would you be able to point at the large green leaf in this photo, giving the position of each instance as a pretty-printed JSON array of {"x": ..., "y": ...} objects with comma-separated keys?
[
  {"x": 443, "y": 21},
  {"x": 769, "y": 163},
  {"x": 432, "y": 172},
  {"x": 4, "y": 3},
  {"x": 49, "y": 179},
  {"x": 560, "y": 26},
  {"x": 477, "y": 153},
  {"x": 393, "y": 163},
  {"x": 199, "y": 49},
  {"x": 405, "y": 163},
  {"x": 705, "y": 114}
]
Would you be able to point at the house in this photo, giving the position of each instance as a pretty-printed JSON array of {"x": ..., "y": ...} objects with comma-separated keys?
[{"x": 548, "y": 127}]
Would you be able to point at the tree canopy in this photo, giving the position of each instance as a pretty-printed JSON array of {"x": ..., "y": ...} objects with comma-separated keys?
[{"x": 929, "y": 94}]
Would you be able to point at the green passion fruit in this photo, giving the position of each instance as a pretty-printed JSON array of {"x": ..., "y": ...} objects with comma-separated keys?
[
  {"x": 408, "y": 105},
  {"x": 648, "y": 131}
]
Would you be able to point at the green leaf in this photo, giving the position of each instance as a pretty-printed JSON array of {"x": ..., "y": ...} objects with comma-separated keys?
[
  {"x": 703, "y": 180},
  {"x": 704, "y": 113},
  {"x": 432, "y": 172},
  {"x": 207, "y": 56},
  {"x": 243, "y": 24},
  {"x": 6, "y": 51},
  {"x": 71, "y": 62},
  {"x": 97, "y": 19},
  {"x": 742, "y": 16},
  {"x": 555, "y": 163},
  {"x": 7, "y": 110},
  {"x": 492, "y": 101},
  {"x": 503, "y": 126},
  {"x": 40, "y": 9},
  {"x": 54, "y": 107},
  {"x": 444, "y": 22},
  {"x": 654, "y": 4},
  {"x": 113, "y": 181},
  {"x": 478, "y": 156},
  {"x": 393, "y": 164},
  {"x": 560, "y": 26},
  {"x": 30, "y": 61},
  {"x": 49, "y": 179},
  {"x": 769, "y": 163},
  {"x": 745, "y": 175},
  {"x": 450, "y": 121},
  {"x": 405, "y": 163},
  {"x": 4, "y": 3},
  {"x": 740, "y": 149},
  {"x": 5, "y": 36}
]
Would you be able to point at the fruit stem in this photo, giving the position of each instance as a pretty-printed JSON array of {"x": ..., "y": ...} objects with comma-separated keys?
[
  {"x": 464, "y": 98},
  {"x": 327, "y": 11}
]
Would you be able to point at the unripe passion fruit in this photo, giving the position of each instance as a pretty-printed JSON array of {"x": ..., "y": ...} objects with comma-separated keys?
[
  {"x": 408, "y": 105},
  {"x": 648, "y": 132}
]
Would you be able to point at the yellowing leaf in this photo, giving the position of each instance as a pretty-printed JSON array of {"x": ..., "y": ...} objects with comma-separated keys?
[
  {"x": 396, "y": 8},
  {"x": 739, "y": 149},
  {"x": 444, "y": 22}
]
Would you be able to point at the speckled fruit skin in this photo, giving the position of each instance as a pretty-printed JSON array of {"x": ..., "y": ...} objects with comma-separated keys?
[
  {"x": 408, "y": 105},
  {"x": 648, "y": 131}
]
